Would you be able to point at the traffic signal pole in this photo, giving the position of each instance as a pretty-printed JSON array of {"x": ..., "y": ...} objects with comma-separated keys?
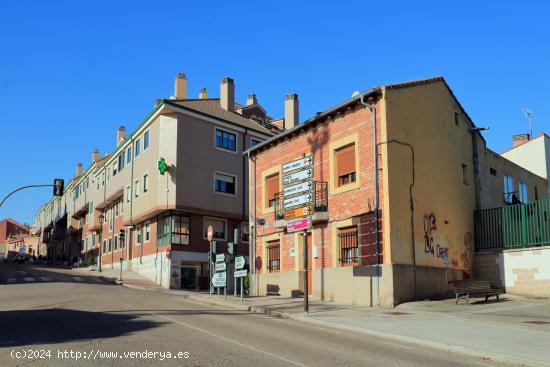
[{"x": 22, "y": 188}]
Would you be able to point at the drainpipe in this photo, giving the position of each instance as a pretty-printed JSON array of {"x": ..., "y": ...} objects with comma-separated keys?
[
  {"x": 372, "y": 108},
  {"x": 252, "y": 241},
  {"x": 129, "y": 241},
  {"x": 475, "y": 155}
]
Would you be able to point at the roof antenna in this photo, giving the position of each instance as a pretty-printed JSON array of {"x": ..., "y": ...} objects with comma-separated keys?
[{"x": 529, "y": 114}]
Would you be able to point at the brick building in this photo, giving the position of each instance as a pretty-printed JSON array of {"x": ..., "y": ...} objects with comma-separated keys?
[{"x": 384, "y": 231}]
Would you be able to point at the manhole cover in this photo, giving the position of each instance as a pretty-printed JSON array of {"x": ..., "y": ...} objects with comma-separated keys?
[
  {"x": 396, "y": 313},
  {"x": 537, "y": 322}
]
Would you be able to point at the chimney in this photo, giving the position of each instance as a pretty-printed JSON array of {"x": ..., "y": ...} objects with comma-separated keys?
[
  {"x": 120, "y": 135},
  {"x": 78, "y": 169},
  {"x": 251, "y": 99},
  {"x": 519, "y": 139},
  {"x": 203, "y": 94},
  {"x": 95, "y": 155},
  {"x": 180, "y": 88},
  {"x": 227, "y": 94},
  {"x": 291, "y": 111}
]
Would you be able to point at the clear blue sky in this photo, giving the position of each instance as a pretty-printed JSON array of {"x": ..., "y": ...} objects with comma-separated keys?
[{"x": 71, "y": 72}]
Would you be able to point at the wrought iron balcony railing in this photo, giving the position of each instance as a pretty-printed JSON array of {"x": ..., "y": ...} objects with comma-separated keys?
[{"x": 319, "y": 200}]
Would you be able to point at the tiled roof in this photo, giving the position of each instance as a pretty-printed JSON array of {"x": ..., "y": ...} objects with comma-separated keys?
[{"x": 213, "y": 108}]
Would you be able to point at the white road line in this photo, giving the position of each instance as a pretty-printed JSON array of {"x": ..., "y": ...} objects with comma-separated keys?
[
  {"x": 78, "y": 279},
  {"x": 45, "y": 279},
  {"x": 227, "y": 340},
  {"x": 11, "y": 280},
  {"x": 29, "y": 279}
]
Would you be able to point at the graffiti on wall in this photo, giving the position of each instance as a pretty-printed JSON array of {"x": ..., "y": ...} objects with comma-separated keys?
[
  {"x": 466, "y": 254},
  {"x": 436, "y": 250}
]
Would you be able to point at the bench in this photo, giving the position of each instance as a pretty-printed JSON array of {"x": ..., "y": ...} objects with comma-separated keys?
[
  {"x": 272, "y": 289},
  {"x": 464, "y": 289}
]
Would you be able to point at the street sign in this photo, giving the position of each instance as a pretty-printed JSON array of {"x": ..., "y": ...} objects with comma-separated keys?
[
  {"x": 220, "y": 258},
  {"x": 298, "y": 164},
  {"x": 298, "y": 224},
  {"x": 298, "y": 200},
  {"x": 221, "y": 266},
  {"x": 297, "y": 189},
  {"x": 298, "y": 212},
  {"x": 230, "y": 248},
  {"x": 239, "y": 262},
  {"x": 297, "y": 176},
  {"x": 240, "y": 273},
  {"x": 210, "y": 233},
  {"x": 219, "y": 279}
]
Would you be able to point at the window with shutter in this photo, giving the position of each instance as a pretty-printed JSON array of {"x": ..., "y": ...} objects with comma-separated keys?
[
  {"x": 272, "y": 188},
  {"x": 345, "y": 165}
]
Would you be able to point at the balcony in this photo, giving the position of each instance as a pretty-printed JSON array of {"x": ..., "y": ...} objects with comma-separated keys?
[{"x": 319, "y": 205}]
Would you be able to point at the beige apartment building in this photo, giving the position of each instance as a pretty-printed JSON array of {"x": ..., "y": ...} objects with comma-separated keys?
[{"x": 164, "y": 216}]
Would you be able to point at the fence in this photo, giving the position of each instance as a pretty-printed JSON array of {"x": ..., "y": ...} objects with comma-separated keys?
[{"x": 513, "y": 226}]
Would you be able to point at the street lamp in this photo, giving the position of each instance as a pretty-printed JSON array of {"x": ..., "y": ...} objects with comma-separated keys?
[{"x": 101, "y": 221}]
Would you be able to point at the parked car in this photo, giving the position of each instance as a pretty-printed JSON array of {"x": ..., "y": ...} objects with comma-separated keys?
[{"x": 20, "y": 259}]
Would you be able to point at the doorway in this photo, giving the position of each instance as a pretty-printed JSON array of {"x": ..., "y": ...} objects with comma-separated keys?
[{"x": 190, "y": 277}]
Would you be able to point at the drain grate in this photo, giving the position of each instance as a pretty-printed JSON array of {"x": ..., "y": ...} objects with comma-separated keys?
[
  {"x": 537, "y": 322},
  {"x": 397, "y": 313}
]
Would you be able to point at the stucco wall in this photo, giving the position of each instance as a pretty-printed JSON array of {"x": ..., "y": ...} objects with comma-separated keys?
[{"x": 424, "y": 116}]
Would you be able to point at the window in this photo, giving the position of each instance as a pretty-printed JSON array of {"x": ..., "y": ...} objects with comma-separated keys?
[
  {"x": 139, "y": 234},
  {"x": 226, "y": 140},
  {"x": 110, "y": 244},
  {"x": 456, "y": 118},
  {"x": 121, "y": 160},
  {"x": 147, "y": 232},
  {"x": 116, "y": 243},
  {"x": 173, "y": 228},
  {"x": 146, "y": 140},
  {"x": 273, "y": 256},
  {"x": 492, "y": 171},
  {"x": 114, "y": 169},
  {"x": 349, "y": 246},
  {"x": 104, "y": 246},
  {"x": 116, "y": 210},
  {"x": 245, "y": 232},
  {"x": 254, "y": 142},
  {"x": 136, "y": 188},
  {"x": 138, "y": 147},
  {"x": 508, "y": 189},
  {"x": 464, "y": 174},
  {"x": 345, "y": 165},
  {"x": 271, "y": 189},
  {"x": 224, "y": 183},
  {"x": 128, "y": 193},
  {"x": 145, "y": 183},
  {"x": 129, "y": 155},
  {"x": 523, "y": 192},
  {"x": 219, "y": 226}
]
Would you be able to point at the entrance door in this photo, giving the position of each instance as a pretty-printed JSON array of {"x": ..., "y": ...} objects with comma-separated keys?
[{"x": 189, "y": 277}]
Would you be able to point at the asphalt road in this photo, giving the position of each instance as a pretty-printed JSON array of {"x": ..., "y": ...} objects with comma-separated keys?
[{"x": 47, "y": 313}]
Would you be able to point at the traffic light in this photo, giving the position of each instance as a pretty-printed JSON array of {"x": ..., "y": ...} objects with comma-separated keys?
[
  {"x": 121, "y": 237},
  {"x": 58, "y": 187}
]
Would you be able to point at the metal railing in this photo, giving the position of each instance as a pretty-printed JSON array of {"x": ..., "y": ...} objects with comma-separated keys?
[
  {"x": 513, "y": 226},
  {"x": 320, "y": 200}
]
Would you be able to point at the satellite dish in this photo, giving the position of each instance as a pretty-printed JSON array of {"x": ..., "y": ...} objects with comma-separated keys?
[{"x": 355, "y": 94}]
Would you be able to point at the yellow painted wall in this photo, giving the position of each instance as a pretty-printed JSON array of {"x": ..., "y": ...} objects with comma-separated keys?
[{"x": 424, "y": 116}]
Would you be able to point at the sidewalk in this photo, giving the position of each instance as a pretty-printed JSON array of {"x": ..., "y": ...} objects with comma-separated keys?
[
  {"x": 514, "y": 330},
  {"x": 130, "y": 279}
]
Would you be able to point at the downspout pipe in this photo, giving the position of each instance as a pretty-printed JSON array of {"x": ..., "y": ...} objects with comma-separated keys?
[
  {"x": 252, "y": 242},
  {"x": 372, "y": 108}
]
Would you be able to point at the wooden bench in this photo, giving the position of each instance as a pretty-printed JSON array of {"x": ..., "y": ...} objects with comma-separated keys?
[{"x": 475, "y": 288}]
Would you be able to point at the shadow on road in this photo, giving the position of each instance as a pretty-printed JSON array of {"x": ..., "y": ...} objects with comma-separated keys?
[
  {"x": 37, "y": 273},
  {"x": 52, "y": 326}
]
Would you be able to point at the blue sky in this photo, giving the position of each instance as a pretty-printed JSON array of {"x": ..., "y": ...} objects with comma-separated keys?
[{"x": 71, "y": 72}]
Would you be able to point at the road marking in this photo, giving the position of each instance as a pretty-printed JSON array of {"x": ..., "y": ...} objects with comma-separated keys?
[
  {"x": 227, "y": 340},
  {"x": 45, "y": 279},
  {"x": 11, "y": 280},
  {"x": 78, "y": 279},
  {"x": 29, "y": 279}
]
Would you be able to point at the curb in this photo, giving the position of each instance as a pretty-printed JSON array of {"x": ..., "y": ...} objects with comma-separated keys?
[{"x": 469, "y": 351}]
